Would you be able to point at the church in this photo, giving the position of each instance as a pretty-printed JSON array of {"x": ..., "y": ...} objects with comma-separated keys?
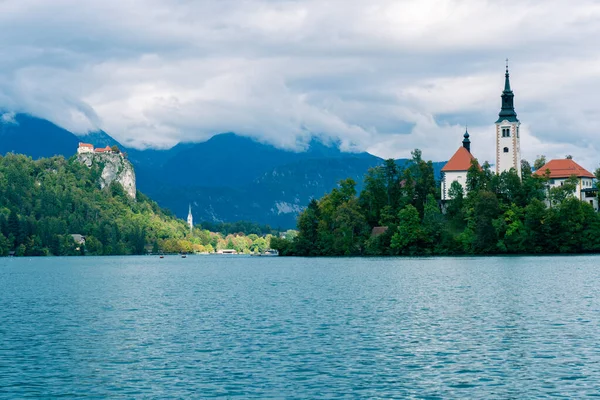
[{"x": 508, "y": 156}]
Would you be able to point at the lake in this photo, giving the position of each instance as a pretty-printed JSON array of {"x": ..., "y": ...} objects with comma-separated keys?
[{"x": 256, "y": 327}]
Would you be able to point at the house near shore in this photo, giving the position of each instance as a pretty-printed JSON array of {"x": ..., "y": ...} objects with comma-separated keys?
[
  {"x": 227, "y": 251},
  {"x": 558, "y": 171}
]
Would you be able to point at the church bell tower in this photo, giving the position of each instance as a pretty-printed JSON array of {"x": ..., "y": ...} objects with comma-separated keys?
[{"x": 508, "y": 147}]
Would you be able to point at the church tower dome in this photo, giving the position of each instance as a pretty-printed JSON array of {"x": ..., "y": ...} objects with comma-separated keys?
[{"x": 508, "y": 147}]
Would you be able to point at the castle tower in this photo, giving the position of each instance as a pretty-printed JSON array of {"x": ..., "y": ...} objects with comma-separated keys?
[
  {"x": 508, "y": 147},
  {"x": 190, "y": 219}
]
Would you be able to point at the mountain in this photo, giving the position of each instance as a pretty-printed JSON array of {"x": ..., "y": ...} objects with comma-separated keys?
[
  {"x": 36, "y": 138},
  {"x": 231, "y": 177},
  {"x": 227, "y": 178}
]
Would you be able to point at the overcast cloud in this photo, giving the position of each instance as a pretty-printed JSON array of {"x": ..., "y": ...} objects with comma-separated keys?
[{"x": 385, "y": 76}]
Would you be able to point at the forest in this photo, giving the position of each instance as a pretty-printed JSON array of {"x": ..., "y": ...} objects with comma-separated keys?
[
  {"x": 43, "y": 203},
  {"x": 496, "y": 214}
]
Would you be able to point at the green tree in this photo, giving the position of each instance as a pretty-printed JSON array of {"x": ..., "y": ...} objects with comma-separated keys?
[
  {"x": 539, "y": 162},
  {"x": 409, "y": 235},
  {"x": 308, "y": 225}
]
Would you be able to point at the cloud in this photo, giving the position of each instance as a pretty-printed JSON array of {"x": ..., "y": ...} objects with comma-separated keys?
[{"x": 385, "y": 76}]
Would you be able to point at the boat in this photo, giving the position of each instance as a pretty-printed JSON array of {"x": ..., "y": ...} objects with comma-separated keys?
[{"x": 183, "y": 256}]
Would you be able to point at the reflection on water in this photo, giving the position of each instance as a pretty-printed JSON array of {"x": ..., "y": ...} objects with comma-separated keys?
[{"x": 255, "y": 327}]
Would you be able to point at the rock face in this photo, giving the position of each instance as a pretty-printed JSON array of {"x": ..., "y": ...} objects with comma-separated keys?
[{"x": 114, "y": 167}]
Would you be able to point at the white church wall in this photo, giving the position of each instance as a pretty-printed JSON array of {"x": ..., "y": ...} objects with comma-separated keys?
[{"x": 452, "y": 176}]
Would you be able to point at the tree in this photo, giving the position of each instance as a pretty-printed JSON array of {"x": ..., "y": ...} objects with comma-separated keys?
[
  {"x": 525, "y": 169},
  {"x": 486, "y": 209},
  {"x": 350, "y": 229},
  {"x": 539, "y": 162},
  {"x": 308, "y": 225},
  {"x": 409, "y": 235},
  {"x": 115, "y": 149},
  {"x": 433, "y": 221}
]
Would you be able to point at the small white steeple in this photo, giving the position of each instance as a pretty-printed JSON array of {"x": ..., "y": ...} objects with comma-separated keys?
[{"x": 190, "y": 219}]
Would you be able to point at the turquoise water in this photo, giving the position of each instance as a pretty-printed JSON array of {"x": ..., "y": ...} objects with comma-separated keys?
[{"x": 256, "y": 327}]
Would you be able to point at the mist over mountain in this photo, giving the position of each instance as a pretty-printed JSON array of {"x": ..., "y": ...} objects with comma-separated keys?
[{"x": 227, "y": 178}]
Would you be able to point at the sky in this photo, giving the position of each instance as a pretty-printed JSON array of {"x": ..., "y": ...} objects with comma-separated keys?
[{"x": 384, "y": 76}]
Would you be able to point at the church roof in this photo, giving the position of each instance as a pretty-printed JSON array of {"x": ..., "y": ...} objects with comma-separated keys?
[
  {"x": 564, "y": 169},
  {"x": 460, "y": 161}
]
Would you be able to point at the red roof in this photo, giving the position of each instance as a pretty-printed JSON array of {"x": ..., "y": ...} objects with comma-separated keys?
[
  {"x": 564, "y": 169},
  {"x": 86, "y": 145},
  {"x": 460, "y": 161}
]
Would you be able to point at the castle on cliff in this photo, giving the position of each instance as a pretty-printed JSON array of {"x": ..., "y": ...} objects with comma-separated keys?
[
  {"x": 86, "y": 148},
  {"x": 114, "y": 166}
]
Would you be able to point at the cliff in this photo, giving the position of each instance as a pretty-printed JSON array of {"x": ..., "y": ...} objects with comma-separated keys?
[{"x": 114, "y": 167}]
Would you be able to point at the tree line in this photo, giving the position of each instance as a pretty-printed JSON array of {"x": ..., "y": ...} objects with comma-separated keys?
[{"x": 496, "y": 214}]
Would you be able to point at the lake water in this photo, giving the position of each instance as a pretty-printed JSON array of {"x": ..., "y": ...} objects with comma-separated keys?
[{"x": 255, "y": 327}]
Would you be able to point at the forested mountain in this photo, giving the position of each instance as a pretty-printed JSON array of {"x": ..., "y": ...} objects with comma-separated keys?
[
  {"x": 44, "y": 202},
  {"x": 227, "y": 178},
  {"x": 398, "y": 213}
]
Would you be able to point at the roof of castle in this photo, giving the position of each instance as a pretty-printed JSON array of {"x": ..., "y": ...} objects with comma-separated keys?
[
  {"x": 564, "y": 169},
  {"x": 460, "y": 161},
  {"x": 86, "y": 145},
  {"x": 103, "y": 149}
]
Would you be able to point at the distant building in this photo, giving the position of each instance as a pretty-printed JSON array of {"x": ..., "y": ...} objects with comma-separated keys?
[
  {"x": 558, "y": 171},
  {"x": 227, "y": 251},
  {"x": 456, "y": 168},
  {"x": 106, "y": 149},
  {"x": 79, "y": 239},
  {"x": 190, "y": 219},
  {"x": 85, "y": 148}
]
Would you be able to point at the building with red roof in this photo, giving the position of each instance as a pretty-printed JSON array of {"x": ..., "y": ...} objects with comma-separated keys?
[
  {"x": 456, "y": 168},
  {"x": 558, "y": 171},
  {"x": 106, "y": 149},
  {"x": 85, "y": 148}
]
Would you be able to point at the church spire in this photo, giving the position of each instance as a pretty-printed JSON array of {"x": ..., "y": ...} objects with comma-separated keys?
[
  {"x": 190, "y": 219},
  {"x": 507, "y": 112},
  {"x": 466, "y": 142},
  {"x": 507, "y": 80}
]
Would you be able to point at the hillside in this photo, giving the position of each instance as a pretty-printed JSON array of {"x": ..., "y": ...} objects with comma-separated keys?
[{"x": 44, "y": 202}]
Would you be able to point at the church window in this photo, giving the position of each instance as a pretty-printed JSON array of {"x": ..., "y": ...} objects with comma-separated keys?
[
  {"x": 506, "y": 149},
  {"x": 505, "y": 132},
  {"x": 517, "y": 131}
]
